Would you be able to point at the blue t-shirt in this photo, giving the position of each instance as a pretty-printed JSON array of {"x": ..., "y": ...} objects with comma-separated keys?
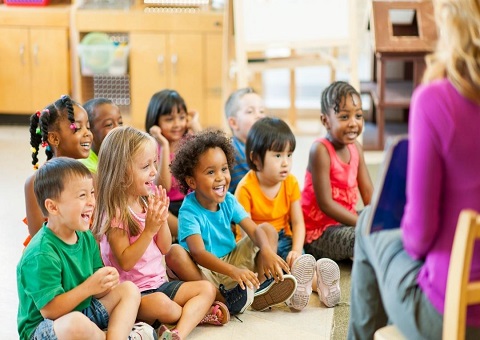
[{"x": 213, "y": 226}]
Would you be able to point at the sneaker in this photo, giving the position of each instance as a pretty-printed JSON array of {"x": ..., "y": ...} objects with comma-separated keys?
[
  {"x": 165, "y": 333},
  {"x": 142, "y": 331},
  {"x": 303, "y": 269},
  {"x": 328, "y": 282},
  {"x": 237, "y": 299},
  {"x": 270, "y": 294}
]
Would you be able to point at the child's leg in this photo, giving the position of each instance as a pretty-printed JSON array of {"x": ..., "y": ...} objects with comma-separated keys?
[
  {"x": 121, "y": 304},
  {"x": 196, "y": 299},
  {"x": 74, "y": 325},
  {"x": 178, "y": 260},
  {"x": 158, "y": 306},
  {"x": 335, "y": 243},
  {"x": 272, "y": 236}
]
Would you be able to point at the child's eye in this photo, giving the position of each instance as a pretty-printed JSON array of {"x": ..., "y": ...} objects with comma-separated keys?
[
  {"x": 290, "y": 155},
  {"x": 120, "y": 123},
  {"x": 210, "y": 172},
  {"x": 278, "y": 155},
  {"x": 359, "y": 116},
  {"x": 225, "y": 169}
]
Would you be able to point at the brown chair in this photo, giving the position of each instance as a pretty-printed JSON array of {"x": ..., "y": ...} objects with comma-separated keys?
[{"x": 461, "y": 292}]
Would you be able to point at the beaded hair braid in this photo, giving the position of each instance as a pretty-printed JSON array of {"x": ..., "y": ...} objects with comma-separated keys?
[{"x": 47, "y": 120}]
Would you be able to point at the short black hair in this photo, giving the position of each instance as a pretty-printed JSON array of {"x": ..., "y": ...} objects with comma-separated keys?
[
  {"x": 162, "y": 103},
  {"x": 51, "y": 178},
  {"x": 267, "y": 134},
  {"x": 333, "y": 94},
  {"x": 192, "y": 147}
]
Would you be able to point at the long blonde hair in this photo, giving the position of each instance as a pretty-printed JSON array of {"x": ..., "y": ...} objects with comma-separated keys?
[
  {"x": 457, "y": 55},
  {"x": 115, "y": 162}
]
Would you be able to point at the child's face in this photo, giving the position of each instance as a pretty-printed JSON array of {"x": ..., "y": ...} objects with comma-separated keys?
[
  {"x": 251, "y": 110},
  {"x": 173, "y": 125},
  {"x": 74, "y": 208},
  {"x": 345, "y": 126},
  {"x": 276, "y": 165},
  {"x": 143, "y": 170},
  {"x": 107, "y": 117},
  {"x": 74, "y": 143},
  {"x": 211, "y": 178}
]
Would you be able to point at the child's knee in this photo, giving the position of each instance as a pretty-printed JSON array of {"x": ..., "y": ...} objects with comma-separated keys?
[
  {"x": 270, "y": 231},
  {"x": 129, "y": 290},
  {"x": 76, "y": 324},
  {"x": 175, "y": 256}
]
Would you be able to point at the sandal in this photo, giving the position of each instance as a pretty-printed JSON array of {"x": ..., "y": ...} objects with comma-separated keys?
[
  {"x": 218, "y": 315},
  {"x": 164, "y": 333}
]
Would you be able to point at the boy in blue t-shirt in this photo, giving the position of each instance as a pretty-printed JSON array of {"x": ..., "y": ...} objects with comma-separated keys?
[
  {"x": 63, "y": 287},
  {"x": 202, "y": 165}
]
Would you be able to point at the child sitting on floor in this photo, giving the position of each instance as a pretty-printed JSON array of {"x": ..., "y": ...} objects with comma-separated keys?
[{"x": 202, "y": 164}]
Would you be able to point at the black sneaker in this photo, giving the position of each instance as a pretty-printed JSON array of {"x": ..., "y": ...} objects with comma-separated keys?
[
  {"x": 237, "y": 299},
  {"x": 272, "y": 293}
]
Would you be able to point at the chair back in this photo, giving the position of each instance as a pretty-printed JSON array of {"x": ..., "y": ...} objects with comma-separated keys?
[{"x": 461, "y": 292}]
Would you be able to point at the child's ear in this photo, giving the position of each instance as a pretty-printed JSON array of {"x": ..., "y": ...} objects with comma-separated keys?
[
  {"x": 51, "y": 206},
  {"x": 191, "y": 182},
  {"x": 53, "y": 138},
  {"x": 324, "y": 120},
  {"x": 256, "y": 161},
  {"x": 232, "y": 122}
]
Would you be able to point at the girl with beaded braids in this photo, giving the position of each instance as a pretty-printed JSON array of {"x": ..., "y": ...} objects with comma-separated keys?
[
  {"x": 62, "y": 128},
  {"x": 336, "y": 171}
]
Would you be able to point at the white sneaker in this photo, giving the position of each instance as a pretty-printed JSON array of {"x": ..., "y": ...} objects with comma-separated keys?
[
  {"x": 142, "y": 331},
  {"x": 328, "y": 282},
  {"x": 303, "y": 269}
]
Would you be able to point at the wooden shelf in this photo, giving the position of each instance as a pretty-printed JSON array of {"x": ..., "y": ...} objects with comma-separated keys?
[{"x": 397, "y": 94}]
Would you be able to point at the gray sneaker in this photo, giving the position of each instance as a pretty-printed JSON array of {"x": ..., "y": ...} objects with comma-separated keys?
[
  {"x": 328, "y": 282},
  {"x": 303, "y": 269},
  {"x": 272, "y": 293}
]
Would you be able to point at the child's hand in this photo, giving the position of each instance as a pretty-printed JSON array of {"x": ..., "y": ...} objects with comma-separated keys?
[
  {"x": 157, "y": 212},
  {"x": 245, "y": 277},
  {"x": 156, "y": 133},
  {"x": 104, "y": 279},
  {"x": 274, "y": 265},
  {"x": 292, "y": 256},
  {"x": 193, "y": 123}
]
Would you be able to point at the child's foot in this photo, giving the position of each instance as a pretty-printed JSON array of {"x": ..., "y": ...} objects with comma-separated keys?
[
  {"x": 303, "y": 269},
  {"x": 142, "y": 331},
  {"x": 237, "y": 299},
  {"x": 272, "y": 293},
  {"x": 328, "y": 282},
  {"x": 164, "y": 333},
  {"x": 218, "y": 315}
]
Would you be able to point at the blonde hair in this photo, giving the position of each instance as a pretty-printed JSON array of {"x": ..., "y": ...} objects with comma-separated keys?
[
  {"x": 457, "y": 55},
  {"x": 115, "y": 162}
]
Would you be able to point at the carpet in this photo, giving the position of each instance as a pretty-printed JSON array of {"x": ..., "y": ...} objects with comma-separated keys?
[{"x": 341, "y": 313}]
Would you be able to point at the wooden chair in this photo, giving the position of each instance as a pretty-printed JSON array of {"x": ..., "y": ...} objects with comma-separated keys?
[{"x": 461, "y": 292}]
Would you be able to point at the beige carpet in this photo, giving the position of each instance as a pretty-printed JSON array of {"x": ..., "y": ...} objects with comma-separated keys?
[{"x": 341, "y": 313}]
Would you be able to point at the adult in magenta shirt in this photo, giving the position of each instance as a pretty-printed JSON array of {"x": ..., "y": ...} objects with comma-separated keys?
[{"x": 400, "y": 275}]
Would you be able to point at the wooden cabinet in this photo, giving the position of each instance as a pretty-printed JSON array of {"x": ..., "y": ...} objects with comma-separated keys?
[
  {"x": 179, "y": 50},
  {"x": 34, "y": 62}
]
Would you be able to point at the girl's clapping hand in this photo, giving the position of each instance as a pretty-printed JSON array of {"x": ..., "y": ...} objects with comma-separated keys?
[{"x": 157, "y": 212}]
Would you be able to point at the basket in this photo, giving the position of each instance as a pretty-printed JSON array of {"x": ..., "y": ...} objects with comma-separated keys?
[
  {"x": 108, "y": 59},
  {"x": 26, "y": 2}
]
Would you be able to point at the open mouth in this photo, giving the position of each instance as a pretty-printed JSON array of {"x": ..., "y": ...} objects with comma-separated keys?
[
  {"x": 86, "y": 217},
  {"x": 219, "y": 190},
  {"x": 85, "y": 145}
]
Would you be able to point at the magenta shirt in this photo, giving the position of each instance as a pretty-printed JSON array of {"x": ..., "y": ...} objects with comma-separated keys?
[
  {"x": 174, "y": 193},
  {"x": 443, "y": 177}
]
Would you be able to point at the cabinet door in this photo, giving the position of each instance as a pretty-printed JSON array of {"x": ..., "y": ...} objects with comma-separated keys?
[
  {"x": 214, "y": 113},
  {"x": 15, "y": 91},
  {"x": 186, "y": 68},
  {"x": 49, "y": 64},
  {"x": 148, "y": 73}
]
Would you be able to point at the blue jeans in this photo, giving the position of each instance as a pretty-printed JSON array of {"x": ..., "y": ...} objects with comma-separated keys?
[
  {"x": 96, "y": 312},
  {"x": 284, "y": 245},
  {"x": 168, "y": 288}
]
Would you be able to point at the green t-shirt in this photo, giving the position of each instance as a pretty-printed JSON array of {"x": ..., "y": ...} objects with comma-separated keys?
[
  {"x": 91, "y": 162},
  {"x": 50, "y": 267}
]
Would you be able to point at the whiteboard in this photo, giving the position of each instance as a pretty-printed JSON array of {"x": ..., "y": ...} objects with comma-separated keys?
[{"x": 278, "y": 23}]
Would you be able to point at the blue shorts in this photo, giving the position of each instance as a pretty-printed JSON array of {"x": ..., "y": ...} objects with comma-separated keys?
[
  {"x": 168, "y": 288},
  {"x": 284, "y": 245},
  {"x": 96, "y": 312}
]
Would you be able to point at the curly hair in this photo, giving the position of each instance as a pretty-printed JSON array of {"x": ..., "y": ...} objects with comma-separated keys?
[
  {"x": 192, "y": 147},
  {"x": 457, "y": 55}
]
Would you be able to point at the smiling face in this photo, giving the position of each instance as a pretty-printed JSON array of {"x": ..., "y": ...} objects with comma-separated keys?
[
  {"x": 73, "y": 209},
  {"x": 73, "y": 143},
  {"x": 211, "y": 178},
  {"x": 251, "y": 109},
  {"x": 143, "y": 170},
  {"x": 346, "y": 125},
  {"x": 173, "y": 125},
  {"x": 276, "y": 165},
  {"x": 106, "y": 117}
]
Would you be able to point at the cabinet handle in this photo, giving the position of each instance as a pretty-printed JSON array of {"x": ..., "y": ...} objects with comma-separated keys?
[
  {"x": 174, "y": 60},
  {"x": 22, "y": 53},
  {"x": 35, "y": 53},
  {"x": 160, "y": 60}
]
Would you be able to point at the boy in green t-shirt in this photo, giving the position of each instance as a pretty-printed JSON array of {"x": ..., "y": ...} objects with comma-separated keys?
[{"x": 63, "y": 288}]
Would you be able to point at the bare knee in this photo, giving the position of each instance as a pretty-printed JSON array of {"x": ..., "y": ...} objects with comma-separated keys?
[
  {"x": 176, "y": 256},
  {"x": 129, "y": 290},
  {"x": 75, "y": 325},
  {"x": 270, "y": 231}
]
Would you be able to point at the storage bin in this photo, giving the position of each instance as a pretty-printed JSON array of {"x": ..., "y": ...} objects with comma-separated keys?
[
  {"x": 26, "y": 2},
  {"x": 108, "y": 59}
]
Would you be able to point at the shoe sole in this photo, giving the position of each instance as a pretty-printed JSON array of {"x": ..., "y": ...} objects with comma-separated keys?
[
  {"x": 277, "y": 293},
  {"x": 303, "y": 269},
  {"x": 328, "y": 282}
]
